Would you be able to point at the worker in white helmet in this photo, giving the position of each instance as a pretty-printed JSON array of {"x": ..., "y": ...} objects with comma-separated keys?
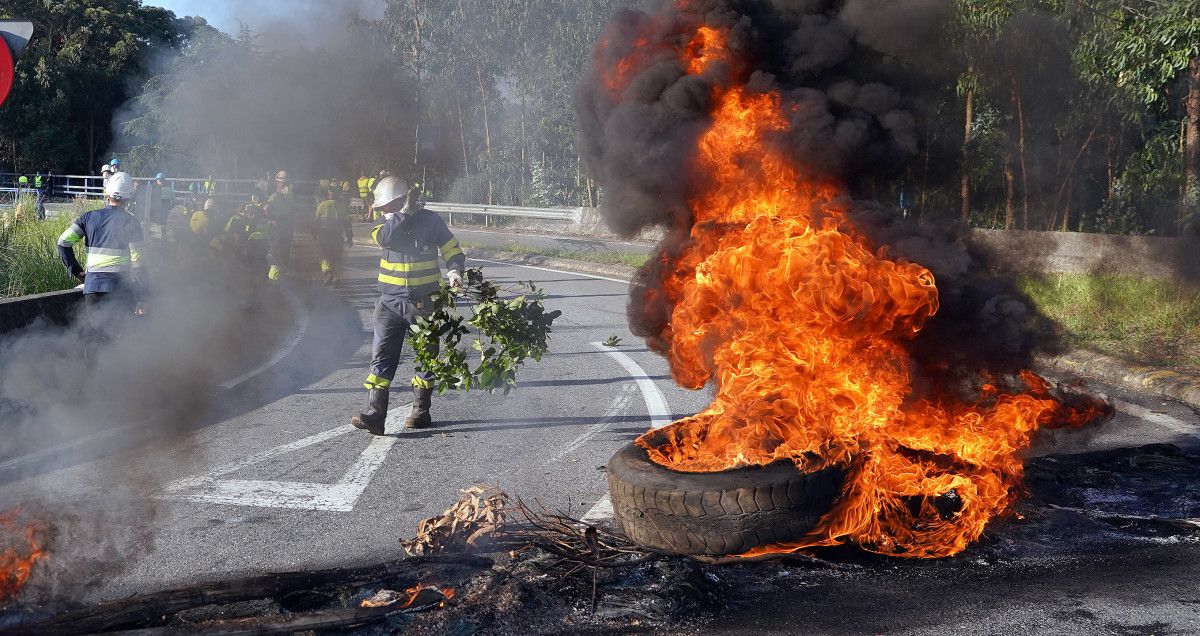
[
  {"x": 412, "y": 238},
  {"x": 115, "y": 272}
]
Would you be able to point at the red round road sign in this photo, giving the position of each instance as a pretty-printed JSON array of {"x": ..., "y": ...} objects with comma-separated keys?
[{"x": 6, "y": 70}]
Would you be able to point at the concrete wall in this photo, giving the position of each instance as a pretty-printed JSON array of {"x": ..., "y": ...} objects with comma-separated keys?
[
  {"x": 1076, "y": 252},
  {"x": 57, "y": 307}
]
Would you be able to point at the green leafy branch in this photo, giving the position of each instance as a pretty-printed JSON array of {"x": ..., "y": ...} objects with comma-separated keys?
[{"x": 510, "y": 332}]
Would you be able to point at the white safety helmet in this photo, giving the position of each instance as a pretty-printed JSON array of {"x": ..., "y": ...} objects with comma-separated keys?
[
  {"x": 106, "y": 169},
  {"x": 119, "y": 187},
  {"x": 389, "y": 189},
  {"x": 282, "y": 175}
]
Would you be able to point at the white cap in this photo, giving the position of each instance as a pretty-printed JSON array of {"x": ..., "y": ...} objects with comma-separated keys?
[
  {"x": 389, "y": 189},
  {"x": 119, "y": 187}
]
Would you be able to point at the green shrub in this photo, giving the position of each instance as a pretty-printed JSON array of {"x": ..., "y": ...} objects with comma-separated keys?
[
  {"x": 1140, "y": 319},
  {"x": 29, "y": 262}
]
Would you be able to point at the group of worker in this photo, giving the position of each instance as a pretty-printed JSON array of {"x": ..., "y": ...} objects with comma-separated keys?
[
  {"x": 36, "y": 187},
  {"x": 411, "y": 239},
  {"x": 363, "y": 187}
]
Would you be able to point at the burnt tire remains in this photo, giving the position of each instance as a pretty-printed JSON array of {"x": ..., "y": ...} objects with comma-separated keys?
[{"x": 715, "y": 514}]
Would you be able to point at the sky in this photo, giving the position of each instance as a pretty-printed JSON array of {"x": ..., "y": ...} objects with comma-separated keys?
[{"x": 276, "y": 21}]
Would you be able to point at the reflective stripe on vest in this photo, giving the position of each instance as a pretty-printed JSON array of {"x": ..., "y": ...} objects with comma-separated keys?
[
  {"x": 408, "y": 267},
  {"x": 451, "y": 249},
  {"x": 419, "y": 274},
  {"x": 419, "y": 281},
  {"x": 100, "y": 259}
]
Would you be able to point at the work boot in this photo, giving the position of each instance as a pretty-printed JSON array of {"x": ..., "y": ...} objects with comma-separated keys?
[
  {"x": 422, "y": 400},
  {"x": 377, "y": 406}
]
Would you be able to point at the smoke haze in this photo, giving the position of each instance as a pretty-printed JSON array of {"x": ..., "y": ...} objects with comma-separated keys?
[
  {"x": 315, "y": 92},
  {"x": 847, "y": 125},
  {"x": 281, "y": 25},
  {"x": 225, "y": 107}
]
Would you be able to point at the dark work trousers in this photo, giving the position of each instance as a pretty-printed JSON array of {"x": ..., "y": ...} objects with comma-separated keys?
[
  {"x": 331, "y": 247},
  {"x": 104, "y": 316},
  {"x": 281, "y": 243},
  {"x": 392, "y": 320}
]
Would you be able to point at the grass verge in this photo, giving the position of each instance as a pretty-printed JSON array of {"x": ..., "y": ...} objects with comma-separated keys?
[
  {"x": 1151, "y": 321},
  {"x": 29, "y": 261},
  {"x": 604, "y": 258}
]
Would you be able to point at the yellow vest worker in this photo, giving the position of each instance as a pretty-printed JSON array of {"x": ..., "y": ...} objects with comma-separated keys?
[
  {"x": 333, "y": 232},
  {"x": 411, "y": 239},
  {"x": 198, "y": 224}
]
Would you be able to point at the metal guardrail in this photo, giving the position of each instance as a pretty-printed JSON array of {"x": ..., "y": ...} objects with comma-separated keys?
[
  {"x": 574, "y": 215},
  {"x": 92, "y": 186}
]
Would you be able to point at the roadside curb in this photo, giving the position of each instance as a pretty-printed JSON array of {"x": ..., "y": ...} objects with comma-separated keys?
[
  {"x": 623, "y": 272},
  {"x": 57, "y": 307},
  {"x": 1172, "y": 384}
]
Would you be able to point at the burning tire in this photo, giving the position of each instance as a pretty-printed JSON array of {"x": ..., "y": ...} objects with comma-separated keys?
[{"x": 715, "y": 514}]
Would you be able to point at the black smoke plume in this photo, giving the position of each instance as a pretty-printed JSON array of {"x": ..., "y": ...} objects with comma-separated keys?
[{"x": 832, "y": 64}]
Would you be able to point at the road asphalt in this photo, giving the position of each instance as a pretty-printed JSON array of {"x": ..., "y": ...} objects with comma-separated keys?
[
  {"x": 545, "y": 441},
  {"x": 276, "y": 480}
]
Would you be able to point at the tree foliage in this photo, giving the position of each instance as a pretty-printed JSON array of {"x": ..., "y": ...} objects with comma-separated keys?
[
  {"x": 84, "y": 58},
  {"x": 512, "y": 330},
  {"x": 1140, "y": 46},
  {"x": 1077, "y": 119},
  {"x": 1070, "y": 106}
]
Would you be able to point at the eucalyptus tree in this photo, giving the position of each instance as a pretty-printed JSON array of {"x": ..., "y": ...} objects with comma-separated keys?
[
  {"x": 1150, "y": 51},
  {"x": 83, "y": 61}
]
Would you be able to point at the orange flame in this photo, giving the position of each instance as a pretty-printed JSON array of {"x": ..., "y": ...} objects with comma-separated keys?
[
  {"x": 802, "y": 325},
  {"x": 388, "y": 598},
  {"x": 16, "y": 566},
  {"x": 621, "y": 66}
]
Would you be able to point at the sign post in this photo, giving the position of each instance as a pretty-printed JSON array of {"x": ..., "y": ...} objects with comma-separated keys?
[{"x": 14, "y": 35}]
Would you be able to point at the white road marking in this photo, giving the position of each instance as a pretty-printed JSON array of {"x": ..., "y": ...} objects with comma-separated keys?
[
  {"x": 603, "y": 510},
  {"x": 656, "y": 406},
  {"x": 547, "y": 269},
  {"x": 1161, "y": 419},
  {"x": 258, "y": 458},
  {"x": 298, "y": 333},
  {"x": 339, "y": 496},
  {"x": 615, "y": 408}
]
